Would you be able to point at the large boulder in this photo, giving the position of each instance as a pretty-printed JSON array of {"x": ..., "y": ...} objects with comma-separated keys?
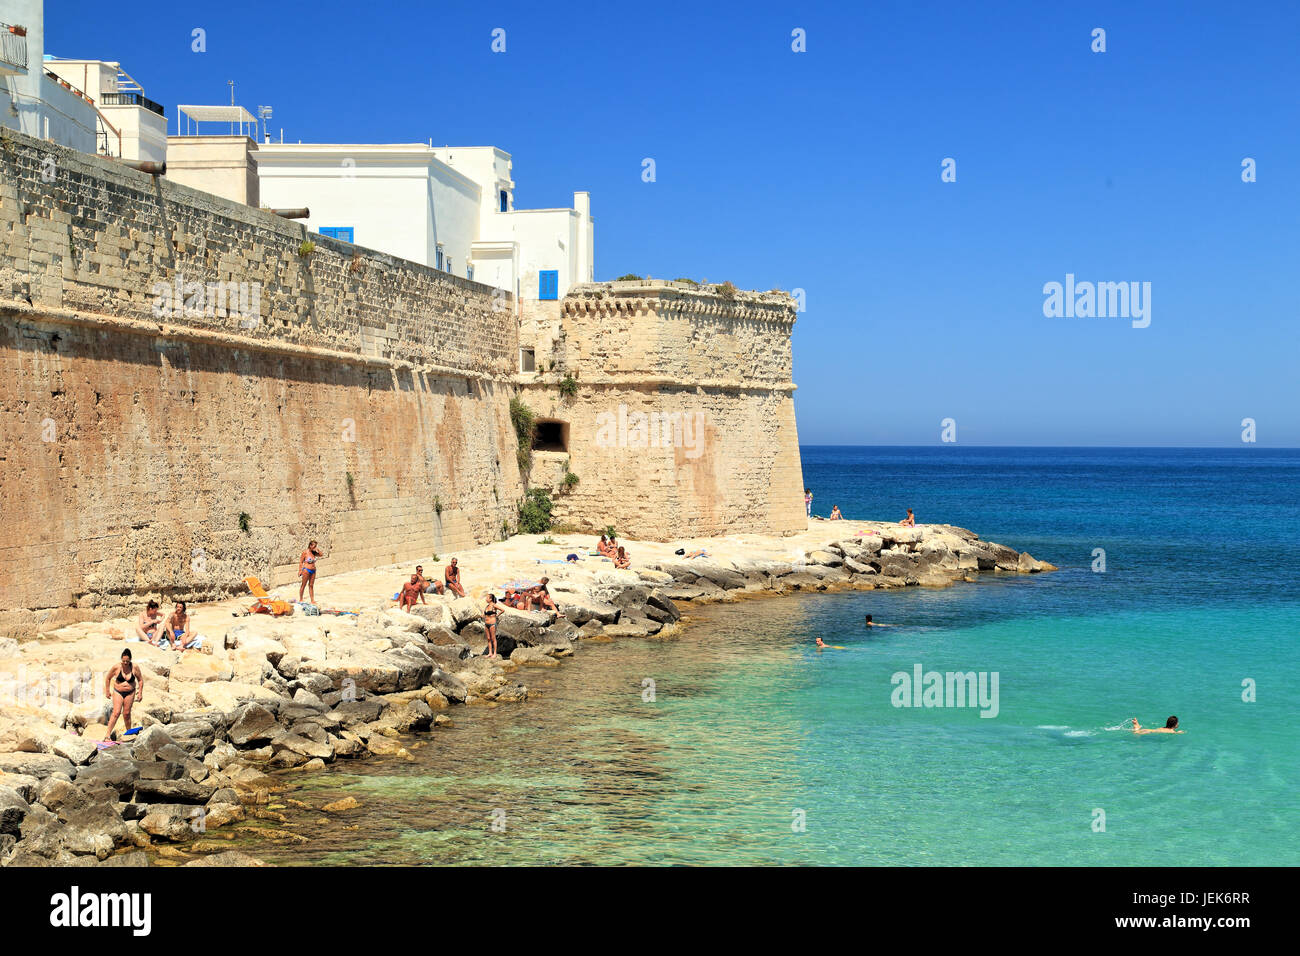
[
  {"x": 1008, "y": 559},
  {"x": 581, "y": 608},
  {"x": 118, "y": 773},
  {"x": 172, "y": 821},
  {"x": 533, "y": 657},
  {"x": 200, "y": 668},
  {"x": 410, "y": 623},
  {"x": 13, "y": 811},
  {"x": 77, "y": 749},
  {"x": 450, "y": 687},
  {"x": 172, "y": 791},
  {"x": 228, "y": 696},
  {"x": 464, "y": 610},
  {"x": 366, "y": 670},
  {"x": 413, "y": 664},
  {"x": 356, "y": 712},
  {"x": 661, "y": 608},
  {"x": 36, "y": 765},
  {"x": 253, "y": 725}
]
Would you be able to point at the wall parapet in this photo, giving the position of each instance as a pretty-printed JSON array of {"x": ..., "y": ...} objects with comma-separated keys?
[{"x": 91, "y": 236}]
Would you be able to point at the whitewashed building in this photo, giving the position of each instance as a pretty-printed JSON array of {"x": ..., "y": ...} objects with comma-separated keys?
[
  {"x": 129, "y": 125},
  {"x": 34, "y": 100},
  {"x": 451, "y": 208}
]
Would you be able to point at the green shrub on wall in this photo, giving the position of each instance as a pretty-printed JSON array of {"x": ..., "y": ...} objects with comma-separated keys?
[
  {"x": 525, "y": 422},
  {"x": 535, "y": 512}
]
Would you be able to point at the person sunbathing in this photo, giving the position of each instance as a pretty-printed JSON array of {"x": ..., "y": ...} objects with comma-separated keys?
[
  {"x": 621, "y": 560},
  {"x": 515, "y": 599},
  {"x": 541, "y": 596},
  {"x": 910, "y": 520},
  {"x": 410, "y": 591},
  {"x": 427, "y": 586},
  {"x": 177, "y": 630},
  {"x": 835, "y": 514},
  {"x": 147, "y": 625},
  {"x": 452, "y": 574},
  {"x": 603, "y": 546}
]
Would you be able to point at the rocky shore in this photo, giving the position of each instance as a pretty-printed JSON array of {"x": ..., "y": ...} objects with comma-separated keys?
[{"x": 289, "y": 695}]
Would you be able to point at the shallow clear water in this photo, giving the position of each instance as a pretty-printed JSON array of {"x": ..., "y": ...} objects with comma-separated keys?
[{"x": 753, "y": 730}]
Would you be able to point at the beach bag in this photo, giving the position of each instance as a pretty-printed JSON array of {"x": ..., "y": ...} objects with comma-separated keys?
[{"x": 310, "y": 610}]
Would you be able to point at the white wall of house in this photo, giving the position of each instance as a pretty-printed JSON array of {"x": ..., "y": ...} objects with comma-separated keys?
[
  {"x": 133, "y": 131},
  {"x": 30, "y": 101},
  {"x": 396, "y": 198}
]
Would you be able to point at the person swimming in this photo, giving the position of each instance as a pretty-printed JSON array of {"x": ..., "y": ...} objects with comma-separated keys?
[{"x": 1170, "y": 727}]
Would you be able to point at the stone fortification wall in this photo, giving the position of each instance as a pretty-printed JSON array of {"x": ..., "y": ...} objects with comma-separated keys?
[{"x": 190, "y": 389}]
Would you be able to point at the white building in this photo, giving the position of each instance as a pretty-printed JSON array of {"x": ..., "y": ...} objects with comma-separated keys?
[
  {"x": 89, "y": 105},
  {"x": 32, "y": 100},
  {"x": 451, "y": 208},
  {"x": 130, "y": 125}
]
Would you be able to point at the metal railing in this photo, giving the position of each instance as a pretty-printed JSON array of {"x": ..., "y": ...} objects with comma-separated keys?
[
  {"x": 13, "y": 46},
  {"x": 130, "y": 99}
]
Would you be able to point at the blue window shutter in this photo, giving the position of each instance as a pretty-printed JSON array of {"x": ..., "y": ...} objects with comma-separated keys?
[
  {"x": 337, "y": 232},
  {"x": 548, "y": 284}
]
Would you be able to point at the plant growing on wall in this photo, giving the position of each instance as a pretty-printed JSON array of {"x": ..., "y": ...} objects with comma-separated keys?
[
  {"x": 245, "y": 522},
  {"x": 306, "y": 248},
  {"x": 525, "y": 422},
  {"x": 437, "y": 506},
  {"x": 570, "y": 479},
  {"x": 727, "y": 290},
  {"x": 535, "y": 511},
  {"x": 568, "y": 386},
  {"x": 630, "y": 277},
  {"x": 610, "y": 532}
]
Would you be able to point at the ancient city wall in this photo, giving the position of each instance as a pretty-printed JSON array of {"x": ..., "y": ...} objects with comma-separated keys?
[
  {"x": 682, "y": 423},
  {"x": 154, "y": 449}
]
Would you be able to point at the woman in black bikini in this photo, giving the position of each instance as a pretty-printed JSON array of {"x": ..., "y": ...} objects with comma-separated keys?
[
  {"x": 123, "y": 685},
  {"x": 490, "y": 622}
]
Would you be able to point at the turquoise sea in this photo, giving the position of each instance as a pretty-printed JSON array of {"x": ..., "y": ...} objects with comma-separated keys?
[{"x": 757, "y": 748}]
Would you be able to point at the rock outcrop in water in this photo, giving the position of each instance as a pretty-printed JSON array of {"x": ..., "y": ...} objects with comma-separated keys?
[{"x": 295, "y": 694}]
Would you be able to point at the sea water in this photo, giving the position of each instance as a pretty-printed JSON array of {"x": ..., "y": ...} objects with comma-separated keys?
[{"x": 741, "y": 743}]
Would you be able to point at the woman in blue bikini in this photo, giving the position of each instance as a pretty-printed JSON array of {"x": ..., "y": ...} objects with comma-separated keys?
[{"x": 307, "y": 571}]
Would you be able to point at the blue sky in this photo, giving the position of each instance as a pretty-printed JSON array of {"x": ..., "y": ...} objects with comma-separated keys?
[{"x": 821, "y": 170}]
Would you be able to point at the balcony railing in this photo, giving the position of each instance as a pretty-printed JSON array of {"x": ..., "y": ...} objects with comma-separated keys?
[
  {"x": 130, "y": 99},
  {"x": 13, "y": 49}
]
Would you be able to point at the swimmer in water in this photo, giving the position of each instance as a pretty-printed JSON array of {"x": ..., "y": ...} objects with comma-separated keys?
[
  {"x": 1170, "y": 727},
  {"x": 871, "y": 623}
]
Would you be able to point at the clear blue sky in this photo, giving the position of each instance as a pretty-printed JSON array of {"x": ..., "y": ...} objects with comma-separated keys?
[{"x": 821, "y": 170}]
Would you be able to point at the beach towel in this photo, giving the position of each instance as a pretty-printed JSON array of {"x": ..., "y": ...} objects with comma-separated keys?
[{"x": 551, "y": 561}]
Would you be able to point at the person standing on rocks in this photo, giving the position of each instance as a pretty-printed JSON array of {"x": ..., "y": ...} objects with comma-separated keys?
[
  {"x": 452, "y": 575},
  {"x": 123, "y": 685},
  {"x": 307, "y": 571},
  {"x": 807, "y": 500},
  {"x": 490, "y": 624}
]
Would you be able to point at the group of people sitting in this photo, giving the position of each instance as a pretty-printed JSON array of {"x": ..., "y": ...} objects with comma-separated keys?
[
  {"x": 167, "y": 631},
  {"x": 909, "y": 521},
  {"x": 534, "y": 598},
  {"x": 419, "y": 585},
  {"x": 610, "y": 548}
]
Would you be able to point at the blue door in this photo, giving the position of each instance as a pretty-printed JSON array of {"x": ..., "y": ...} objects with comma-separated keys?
[
  {"x": 548, "y": 284},
  {"x": 337, "y": 232}
]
